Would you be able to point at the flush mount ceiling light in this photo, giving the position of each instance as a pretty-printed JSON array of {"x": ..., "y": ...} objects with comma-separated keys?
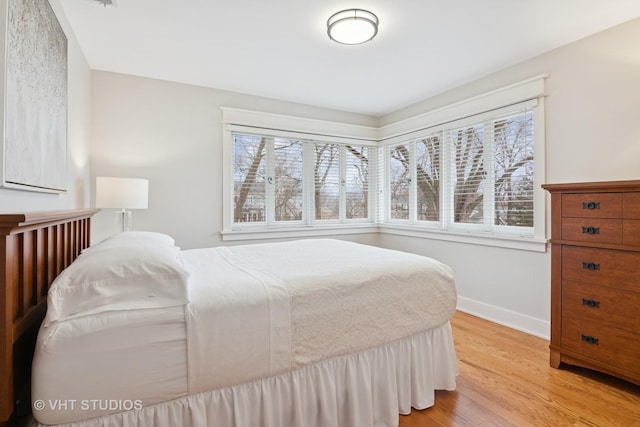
[{"x": 352, "y": 26}]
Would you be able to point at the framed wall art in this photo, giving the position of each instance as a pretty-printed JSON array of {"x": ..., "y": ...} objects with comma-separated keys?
[{"x": 34, "y": 120}]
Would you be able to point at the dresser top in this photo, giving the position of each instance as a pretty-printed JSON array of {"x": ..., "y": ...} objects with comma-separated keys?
[{"x": 591, "y": 187}]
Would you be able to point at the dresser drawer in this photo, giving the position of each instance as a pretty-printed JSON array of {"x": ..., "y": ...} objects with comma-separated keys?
[
  {"x": 592, "y": 230},
  {"x": 592, "y": 303},
  {"x": 631, "y": 205},
  {"x": 605, "y": 267},
  {"x": 592, "y": 205},
  {"x": 613, "y": 346},
  {"x": 631, "y": 232}
]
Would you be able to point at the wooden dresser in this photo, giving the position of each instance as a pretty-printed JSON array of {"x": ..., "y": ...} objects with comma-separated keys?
[{"x": 595, "y": 276}]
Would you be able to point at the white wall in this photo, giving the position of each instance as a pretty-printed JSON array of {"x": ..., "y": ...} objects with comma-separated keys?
[
  {"x": 592, "y": 134},
  {"x": 78, "y": 131},
  {"x": 171, "y": 134}
]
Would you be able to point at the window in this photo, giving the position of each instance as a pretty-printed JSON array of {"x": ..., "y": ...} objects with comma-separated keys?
[
  {"x": 285, "y": 179},
  {"x": 399, "y": 181},
  {"x": 356, "y": 181},
  {"x": 467, "y": 172},
  {"x": 273, "y": 178},
  {"x": 326, "y": 178},
  {"x": 513, "y": 168},
  {"x": 268, "y": 179},
  {"x": 473, "y": 177},
  {"x": 428, "y": 177},
  {"x": 341, "y": 181},
  {"x": 249, "y": 178}
]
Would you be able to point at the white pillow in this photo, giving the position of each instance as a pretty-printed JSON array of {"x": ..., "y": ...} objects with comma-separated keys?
[
  {"x": 150, "y": 236},
  {"x": 134, "y": 238},
  {"x": 118, "y": 277}
]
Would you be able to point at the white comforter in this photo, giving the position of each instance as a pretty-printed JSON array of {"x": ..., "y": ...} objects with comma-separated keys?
[{"x": 281, "y": 306}]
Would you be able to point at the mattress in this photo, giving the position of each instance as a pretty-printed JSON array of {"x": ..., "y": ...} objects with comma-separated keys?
[
  {"x": 255, "y": 312},
  {"x": 94, "y": 365},
  {"x": 281, "y": 306}
]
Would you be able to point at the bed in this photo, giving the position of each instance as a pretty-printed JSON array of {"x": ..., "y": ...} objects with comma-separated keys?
[{"x": 312, "y": 332}]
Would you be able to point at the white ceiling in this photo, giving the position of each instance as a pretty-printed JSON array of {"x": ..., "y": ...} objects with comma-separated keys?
[{"x": 280, "y": 49}]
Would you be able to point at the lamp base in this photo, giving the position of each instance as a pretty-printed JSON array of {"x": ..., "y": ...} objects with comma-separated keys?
[{"x": 123, "y": 221}]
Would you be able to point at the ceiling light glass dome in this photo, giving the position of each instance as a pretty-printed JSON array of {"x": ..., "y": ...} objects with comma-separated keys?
[{"x": 352, "y": 26}]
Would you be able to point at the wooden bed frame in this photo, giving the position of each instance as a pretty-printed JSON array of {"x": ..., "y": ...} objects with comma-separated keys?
[{"x": 34, "y": 249}]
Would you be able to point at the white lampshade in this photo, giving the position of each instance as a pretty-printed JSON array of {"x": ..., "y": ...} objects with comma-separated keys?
[
  {"x": 122, "y": 193},
  {"x": 352, "y": 26}
]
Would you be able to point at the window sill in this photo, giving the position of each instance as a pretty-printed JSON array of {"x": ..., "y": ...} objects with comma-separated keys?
[
  {"x": 502, "y": 240},
  {"x": 288, "y": 233}
]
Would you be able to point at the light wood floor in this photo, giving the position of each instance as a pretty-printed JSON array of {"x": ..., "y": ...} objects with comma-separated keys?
[{"x": 505, "y": 380}]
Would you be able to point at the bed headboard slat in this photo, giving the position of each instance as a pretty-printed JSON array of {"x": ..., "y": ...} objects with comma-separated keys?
[
  {"x": 34, "y": 248},
  {"x": 27, "y": 281}
]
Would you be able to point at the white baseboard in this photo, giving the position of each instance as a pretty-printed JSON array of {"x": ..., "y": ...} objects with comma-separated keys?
[{"x": 511, "y": 319}]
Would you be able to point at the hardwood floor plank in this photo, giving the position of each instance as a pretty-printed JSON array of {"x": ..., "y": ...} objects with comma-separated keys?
[{"x": 505, "y": 380}]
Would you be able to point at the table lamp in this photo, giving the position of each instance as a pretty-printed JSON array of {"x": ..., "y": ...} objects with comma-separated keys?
[{"x": 122, "y": 194}]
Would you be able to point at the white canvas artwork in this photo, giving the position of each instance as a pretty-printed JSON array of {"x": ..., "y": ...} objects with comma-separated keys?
[{"x": 35, "y": 104}]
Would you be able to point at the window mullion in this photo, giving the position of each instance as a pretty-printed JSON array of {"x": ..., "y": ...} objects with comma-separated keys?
[
  {"x": 443, "y": 170},
  {"x": 413, "y": 180},
  {"x": 489, "y": 175},
  {"x": 342, "y": 177},
  {"x": 373, "y": 185},
  {"x": 270, "y": 208},
  {"x": 446, "y": 188},
  {"x": 385, "y": 191},
  {"x": 308, "y": 187}
]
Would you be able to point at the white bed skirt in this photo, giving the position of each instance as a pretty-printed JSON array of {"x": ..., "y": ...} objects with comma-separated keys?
[{"x": 370, "y": 388}]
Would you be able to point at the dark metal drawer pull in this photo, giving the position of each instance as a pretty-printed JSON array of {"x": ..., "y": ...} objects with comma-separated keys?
[
  {"x": 590, "y": 302},
  {"x": 590, "y": 266},
  {"x": 589, "y": 339},
  {"x": 591, "y": 205},
  {"x": 591, "y": 230}
]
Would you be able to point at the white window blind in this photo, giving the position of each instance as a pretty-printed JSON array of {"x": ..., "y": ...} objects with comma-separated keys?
[
  {"x": 428, "y": 177},
  {"x": 399, "y": 188},
  {"x": 286, "y": 180},
  {"x": 356, "y": 181},
  {"x": 492, "y": 174},
  {"x": 326, "y": 176},
  {"x": 476, "y": 176},
  {"x": 468, "y": 178},
  {"x": 513, "y": 169}
]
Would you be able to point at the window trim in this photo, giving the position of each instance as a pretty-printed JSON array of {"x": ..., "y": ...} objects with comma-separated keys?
[{"x": 532, "y": 89}]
